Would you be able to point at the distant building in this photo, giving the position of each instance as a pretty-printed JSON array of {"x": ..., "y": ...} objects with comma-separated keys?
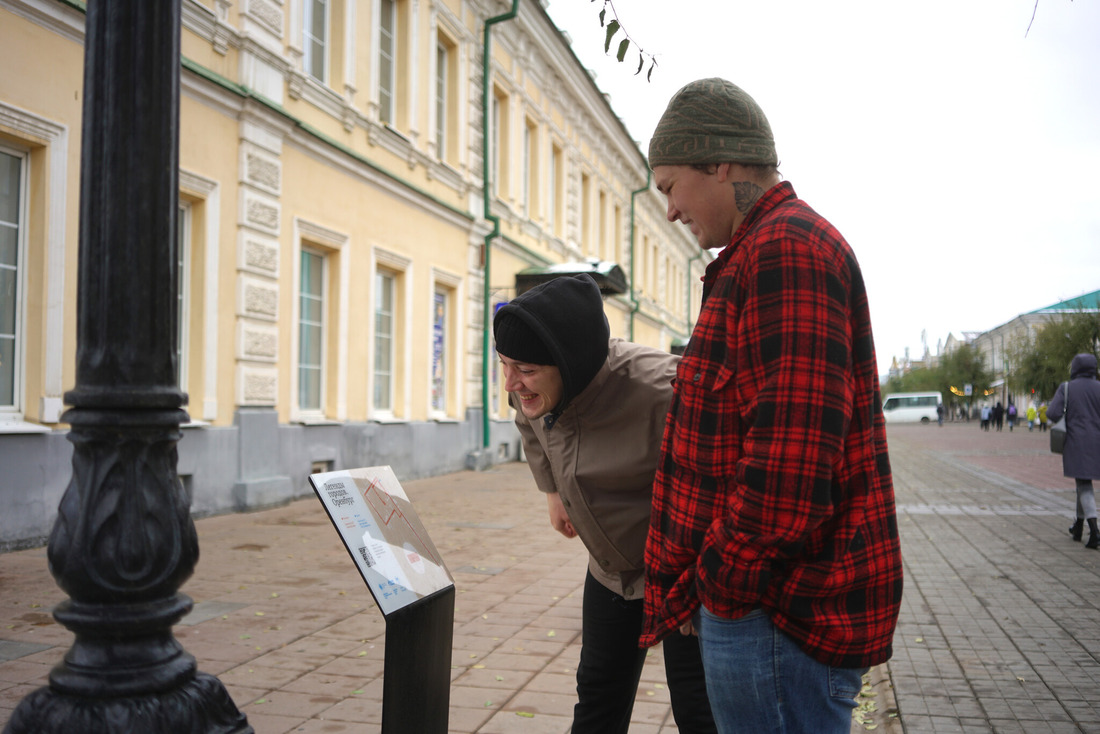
[{"x": 997, "y": 344}]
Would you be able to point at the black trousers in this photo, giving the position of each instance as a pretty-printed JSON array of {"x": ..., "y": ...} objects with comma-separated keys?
[{"x": 611, "y": 665}]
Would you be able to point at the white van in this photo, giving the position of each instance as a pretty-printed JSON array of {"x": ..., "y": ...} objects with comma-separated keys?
[{"x": 910, "y": 407}]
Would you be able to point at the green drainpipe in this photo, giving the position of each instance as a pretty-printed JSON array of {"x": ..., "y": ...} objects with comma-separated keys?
[
  {"x": 634, "y": 306},
  {"x": 486, "y": 315}
]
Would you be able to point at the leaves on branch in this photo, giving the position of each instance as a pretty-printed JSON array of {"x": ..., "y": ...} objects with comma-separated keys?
[{"x": 612, "y": 28}]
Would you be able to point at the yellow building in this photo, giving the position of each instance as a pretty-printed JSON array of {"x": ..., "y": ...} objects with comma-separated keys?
[{"x": 337, "y": 217}]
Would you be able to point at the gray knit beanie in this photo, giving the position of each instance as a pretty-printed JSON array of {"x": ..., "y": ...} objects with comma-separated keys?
[{"x": 712, "y": 121}]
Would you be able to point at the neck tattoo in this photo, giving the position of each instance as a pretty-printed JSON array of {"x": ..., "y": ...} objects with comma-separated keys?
[{"x": 746, "y": 194}]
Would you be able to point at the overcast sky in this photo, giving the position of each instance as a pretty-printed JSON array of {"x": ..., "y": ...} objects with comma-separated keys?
[{"x": 958, "y": 156}]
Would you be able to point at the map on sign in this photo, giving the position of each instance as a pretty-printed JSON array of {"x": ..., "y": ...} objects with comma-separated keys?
[{"x": 383, "y": 534}]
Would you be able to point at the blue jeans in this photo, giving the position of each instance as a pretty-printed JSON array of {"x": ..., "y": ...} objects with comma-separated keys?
[
  {"x": 611, "y": 664},
  {"x": 761, "y": 682}
]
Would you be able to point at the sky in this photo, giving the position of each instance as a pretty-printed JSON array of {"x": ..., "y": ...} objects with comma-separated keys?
[{"x": 956, "y": 150}]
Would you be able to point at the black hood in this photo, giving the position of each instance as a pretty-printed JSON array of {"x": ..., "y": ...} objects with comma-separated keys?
[
  {"x": 567, "y": 314},
  {"x": 1083, "y": 365}
]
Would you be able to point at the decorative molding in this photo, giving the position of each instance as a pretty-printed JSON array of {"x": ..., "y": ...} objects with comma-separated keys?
[
  {"x": 268, "y": 15},
  {"x": 259, "y": 212},
  {"x": 257, "y": 299},
  {"x": 257, "y": 385},
  {"x": 66, "y": 21},
  {"x": 257, "y": 342},
  {"x": 258, "y": 255},
  {"x": 261, "y": 170}
]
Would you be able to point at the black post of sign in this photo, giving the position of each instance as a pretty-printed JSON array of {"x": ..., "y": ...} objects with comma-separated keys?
[
  {"x": 124, "y": 541},
  {"x": 416, "y": 690}
]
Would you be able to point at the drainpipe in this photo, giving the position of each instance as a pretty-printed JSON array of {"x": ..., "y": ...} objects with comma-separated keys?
[
  {"x": 687, "y": 311},
  {"x": 486, "y": 403},
  {"x": 634, "y": 305}
]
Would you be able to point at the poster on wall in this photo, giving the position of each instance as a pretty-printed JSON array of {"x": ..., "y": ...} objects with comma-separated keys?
[{"x": 383, "y": 534}]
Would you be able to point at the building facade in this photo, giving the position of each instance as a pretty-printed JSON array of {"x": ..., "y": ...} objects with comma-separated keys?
[{"x": 359, "y": 186}]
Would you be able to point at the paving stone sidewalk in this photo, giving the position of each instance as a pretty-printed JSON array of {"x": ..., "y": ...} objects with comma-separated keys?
[{"x": 996, "y": 632}]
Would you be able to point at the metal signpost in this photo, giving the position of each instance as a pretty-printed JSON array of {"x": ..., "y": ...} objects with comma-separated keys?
[{"x": 411, "y": 585}]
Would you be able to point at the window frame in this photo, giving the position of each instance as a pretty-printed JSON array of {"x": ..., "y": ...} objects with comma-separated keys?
[
  {"x": 442, "y": 95},
  {"x": 184, "y": 231},
  {"x": 442, "y": 349},
  {"x": 309, "y": 36},
  {"x": 321, "y": 367},
  {"x": 387, "y": 48},
  {"x": 380, "y": 275},
  {"x": 15, "y": 409}
]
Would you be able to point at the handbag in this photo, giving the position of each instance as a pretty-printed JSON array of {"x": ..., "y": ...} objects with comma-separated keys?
[{"x": 1058, "y": 429}]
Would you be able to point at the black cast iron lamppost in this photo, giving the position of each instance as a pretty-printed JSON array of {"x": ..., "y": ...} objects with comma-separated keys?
[{"x": 124, "y": 541}]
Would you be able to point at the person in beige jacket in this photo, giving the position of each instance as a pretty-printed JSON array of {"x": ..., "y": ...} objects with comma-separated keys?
[{"x": 591, "y": 410}]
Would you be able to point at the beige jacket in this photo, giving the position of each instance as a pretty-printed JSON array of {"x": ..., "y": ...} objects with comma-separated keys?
[{"x": 601, "y": 455}]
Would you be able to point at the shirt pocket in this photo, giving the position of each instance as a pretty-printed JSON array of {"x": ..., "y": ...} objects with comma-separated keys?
[{"x": 706, "y": 437}]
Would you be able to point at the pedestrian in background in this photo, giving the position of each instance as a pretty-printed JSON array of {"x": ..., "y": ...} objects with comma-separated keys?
[
  {"x": 987, "y": 413},
  {"x": 1011, "y": 416},
  {"x": 1042, "y": 412},
  {"x": 999, "y": 415},
  {"x": 1079, "y": 401},
  {"x": 774, "y": 534},
  {"x": 591, "y": 410},
  {"x": 1032, "y": 414}
]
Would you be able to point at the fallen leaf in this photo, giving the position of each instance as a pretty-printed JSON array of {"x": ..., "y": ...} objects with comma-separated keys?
[{"x": 525, "y": 714}]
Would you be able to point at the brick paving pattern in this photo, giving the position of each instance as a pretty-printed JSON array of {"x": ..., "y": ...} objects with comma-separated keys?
[{"x": 997, "y": 630}]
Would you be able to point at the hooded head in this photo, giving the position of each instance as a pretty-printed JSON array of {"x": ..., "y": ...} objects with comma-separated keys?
[
  {"x": 561, "y": 323},
  {"x": 1083, "y": 365}
]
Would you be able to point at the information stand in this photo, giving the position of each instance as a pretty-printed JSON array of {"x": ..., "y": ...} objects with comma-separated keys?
[{"x": 411, "y": 585}]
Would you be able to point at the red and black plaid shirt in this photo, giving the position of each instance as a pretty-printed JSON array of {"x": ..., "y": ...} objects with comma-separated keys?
[{"x": 773, "y": 488}]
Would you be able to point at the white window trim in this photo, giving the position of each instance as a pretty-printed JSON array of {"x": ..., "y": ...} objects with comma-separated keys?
[
  {"x": 208, "y": 190},
  {"x": 56, "y": 139},
  {"x": 452, "y": 284},
  {"x": 183, "y": 317},
  {"x": 376, "y": 77},
  {"x": 15, "y": 412},
  {"x": 309, "y": 415},
  {"x": 437, "y": 123},
  {"x": 307, "y": 53},
  {"x": 387, "y": 260},
  {"x": 327, "y": 242}
]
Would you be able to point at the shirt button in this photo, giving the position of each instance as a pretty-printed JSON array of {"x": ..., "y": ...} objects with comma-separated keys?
[
  {"x": 605, "y": 563},
  {"x": 698, "y": 376},
  {"x": 566, "y": 503},
  {"x": 629, "y": 591}
]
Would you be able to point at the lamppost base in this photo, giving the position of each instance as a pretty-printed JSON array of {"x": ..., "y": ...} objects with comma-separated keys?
[{"x": 200, "y": 706}]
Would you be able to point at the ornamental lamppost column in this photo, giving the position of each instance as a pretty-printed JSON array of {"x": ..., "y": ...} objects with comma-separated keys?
[{"x": 124, "y": 541}]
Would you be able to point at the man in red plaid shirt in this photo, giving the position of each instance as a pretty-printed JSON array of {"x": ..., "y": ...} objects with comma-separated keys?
[{"x": 773, "y": 534}]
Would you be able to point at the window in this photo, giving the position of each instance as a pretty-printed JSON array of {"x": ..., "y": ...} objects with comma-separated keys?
[
  {"x": 11, "y": 244},
  {"x": 602, "y": 251},
  {"x": 311, "y": 332},
  {"x": 442, "y": 74},
  {"x": 530, "y": 169},
  {"x": 440, "y": 350},
  {"x": 315, "y": 38},
  {"x": 586, "y": 214},
  {"x": 498, "y": 151},
  {"x": 617, "y": 235},
  {"x": 183, "y": 287},
  {"x": 555, "y": 191},
  {"x": 387, "y": 61},
  {"x": 384, "y": 332}
]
